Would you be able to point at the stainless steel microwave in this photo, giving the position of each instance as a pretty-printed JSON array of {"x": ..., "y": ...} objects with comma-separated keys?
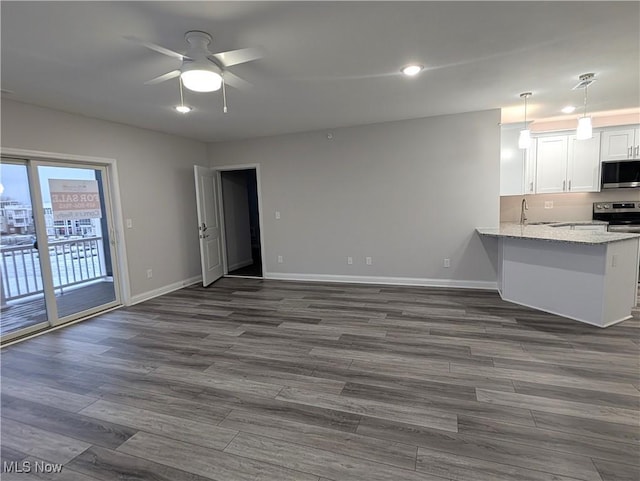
[{"x": 620, "y": 174}]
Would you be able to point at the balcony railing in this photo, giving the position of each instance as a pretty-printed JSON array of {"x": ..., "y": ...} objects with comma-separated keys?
[{"x": 73, "y": 261}]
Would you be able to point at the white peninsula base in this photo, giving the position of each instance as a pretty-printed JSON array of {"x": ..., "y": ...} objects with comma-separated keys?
[{"x": 591, "y": 282}]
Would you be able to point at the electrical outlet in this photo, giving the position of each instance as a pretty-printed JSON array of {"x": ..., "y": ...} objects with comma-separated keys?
[
  {"x": 446, "y": 262},
  {"x": 548, "y": 204},
  {"x": 149, "y": 273},
  {"x": 280, "y": 260},
  {"x": 277, "y": 214},
  {"x": 349, "y": 260},
  {"x": 368, "y": 260}
]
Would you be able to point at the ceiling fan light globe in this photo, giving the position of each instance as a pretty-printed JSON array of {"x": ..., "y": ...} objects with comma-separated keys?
[{"x": 201, "y": 80}]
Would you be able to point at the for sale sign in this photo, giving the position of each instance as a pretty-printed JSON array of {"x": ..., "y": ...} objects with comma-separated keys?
[{"x": 74, "y": 199}]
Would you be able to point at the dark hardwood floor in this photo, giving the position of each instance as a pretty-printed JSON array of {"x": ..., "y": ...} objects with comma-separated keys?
[{"x": 266, "y": 380}]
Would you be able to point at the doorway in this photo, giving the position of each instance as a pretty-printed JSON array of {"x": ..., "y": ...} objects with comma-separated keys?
[
  {"x": 57, "y": 247},
  {"x": 241, "y": 214}
]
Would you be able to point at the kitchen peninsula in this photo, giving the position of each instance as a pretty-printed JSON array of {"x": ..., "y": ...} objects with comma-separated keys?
[{"x": 588, "y": 276}]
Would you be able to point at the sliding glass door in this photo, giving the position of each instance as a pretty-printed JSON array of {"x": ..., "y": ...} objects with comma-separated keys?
[
  {"x": 64, "y": 267},
  {"x": 22, "y": 307}
]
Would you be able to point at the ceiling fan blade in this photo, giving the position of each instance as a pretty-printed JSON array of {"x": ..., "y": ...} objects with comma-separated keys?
[
  {"x": 235, "y": 57},
  {"x": 154, "y": 47},
  {"x": 162, "y": 78},
  {"x": 234, "y": 81}
]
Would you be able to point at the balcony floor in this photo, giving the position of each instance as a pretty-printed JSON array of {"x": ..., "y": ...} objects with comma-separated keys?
[{"x": 31, "y": 311}]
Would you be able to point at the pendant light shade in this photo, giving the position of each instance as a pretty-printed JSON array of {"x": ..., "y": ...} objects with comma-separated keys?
[
  {"x": 585, "y": 129},
  {"x": 524, "y": 141}
]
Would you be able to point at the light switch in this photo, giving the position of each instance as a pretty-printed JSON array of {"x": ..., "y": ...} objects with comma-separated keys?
[
  {"x": 129, "y": 223},
  {"x": 277, "y": 214}
]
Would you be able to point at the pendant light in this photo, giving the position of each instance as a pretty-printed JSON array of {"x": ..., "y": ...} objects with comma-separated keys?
[
  {"x": 585, "y": 129},
  {"x": 524, "y": 141}
]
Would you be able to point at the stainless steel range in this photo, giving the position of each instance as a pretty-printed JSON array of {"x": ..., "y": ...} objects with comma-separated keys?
[{"x": 621, "y": 216}]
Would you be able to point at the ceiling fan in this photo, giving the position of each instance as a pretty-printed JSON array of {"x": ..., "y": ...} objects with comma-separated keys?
[{"x": 202, "y": 70}]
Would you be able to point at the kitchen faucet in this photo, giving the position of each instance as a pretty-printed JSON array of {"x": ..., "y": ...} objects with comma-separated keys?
[{"x": 524, "y": 206}]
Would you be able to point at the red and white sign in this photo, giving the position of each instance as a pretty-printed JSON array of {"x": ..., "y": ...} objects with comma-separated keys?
[{"x": 75, "y": 199}]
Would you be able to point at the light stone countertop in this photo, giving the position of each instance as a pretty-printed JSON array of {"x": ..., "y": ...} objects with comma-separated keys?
[{"x": 554, "y": 234}]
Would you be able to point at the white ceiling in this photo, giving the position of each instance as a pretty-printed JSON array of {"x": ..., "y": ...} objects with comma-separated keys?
[{"x": 326, "y": 64}]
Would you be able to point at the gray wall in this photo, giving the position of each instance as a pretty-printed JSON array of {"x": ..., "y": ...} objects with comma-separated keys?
[
  {"x": 155, "y": 177},
  {"x": 237, "y": 228},
  {"x": 406, "y": 193}
]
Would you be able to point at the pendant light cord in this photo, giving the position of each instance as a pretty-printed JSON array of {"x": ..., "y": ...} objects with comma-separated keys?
[
  {"x": 525, "y": 111},
  {"x": 586, "y": 87},
  {"x": 181, "y": 96}
]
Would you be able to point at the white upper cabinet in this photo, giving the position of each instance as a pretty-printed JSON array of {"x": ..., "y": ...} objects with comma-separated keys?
[
  {"x": 583, "y": 164},
  {"x": 511, "y": 162},
  {"x": 530, "y": 169},
  {"x": 565, "y": 164},
  {"x": 551, "y": 164},
  {"x": 517, "y": 166},
  {"x": 621, "y": 144}
]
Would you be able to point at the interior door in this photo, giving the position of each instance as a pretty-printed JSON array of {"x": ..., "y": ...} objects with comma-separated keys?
[{"x": 208, "y": 225}]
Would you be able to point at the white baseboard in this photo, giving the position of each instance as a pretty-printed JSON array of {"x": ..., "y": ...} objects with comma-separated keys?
[
  {"x": 397, "y": 281},
  {"x": 238, "y": 265},
  {"x": 145, "y": 296}
]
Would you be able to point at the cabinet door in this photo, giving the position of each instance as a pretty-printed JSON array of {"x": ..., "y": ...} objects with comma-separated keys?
[
  {"x": 512, "y": 161},
  {"x": 618, "y": 144},
  {"x": 530, "y": 169},
  {"x": 636, "y": 148},
  {"x": 551, "y": 164},
  {"x": 583, "y": 166}
]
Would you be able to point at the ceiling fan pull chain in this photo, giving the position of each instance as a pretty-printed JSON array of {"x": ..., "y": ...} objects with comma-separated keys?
[
  {"x": 224, "y": 97},
  {"x": 181, "y": 95}
]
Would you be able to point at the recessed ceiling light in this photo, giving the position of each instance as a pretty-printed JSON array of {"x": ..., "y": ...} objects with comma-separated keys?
[
  {"x": 183, "y": 109},
  {"x": 569, "y": 109},
  {"x": 411, "y": 70}
]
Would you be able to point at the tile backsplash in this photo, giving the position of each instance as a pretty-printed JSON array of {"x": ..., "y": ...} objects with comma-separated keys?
[{"x": 566, "y": 207}]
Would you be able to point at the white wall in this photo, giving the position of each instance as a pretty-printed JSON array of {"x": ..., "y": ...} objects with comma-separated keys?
[
  {"x": 155, "y": 178},
  {"x": 406, "y": 193},
  {"x": 237, "y": 228}
]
